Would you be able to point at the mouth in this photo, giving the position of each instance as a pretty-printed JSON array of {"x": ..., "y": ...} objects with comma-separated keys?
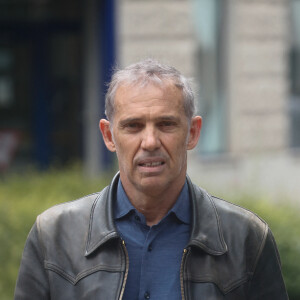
[{"x": 151, "y": 164}]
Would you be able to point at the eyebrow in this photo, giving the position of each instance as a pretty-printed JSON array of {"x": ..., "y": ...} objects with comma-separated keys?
[
  {"x": 158, "y": 119},
  {"x": 168, "y": 118},
  {"x": 129, "y": 120}
]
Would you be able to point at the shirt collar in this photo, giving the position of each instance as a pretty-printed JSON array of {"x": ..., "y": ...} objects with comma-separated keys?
[
  {"x": 181, "y": 208},
  {"x": 123, "y": 205}
]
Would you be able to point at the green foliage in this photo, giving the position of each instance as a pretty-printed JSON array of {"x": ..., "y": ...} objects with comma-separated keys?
[
  {"x": 284, "y": 222},
  {"x": 23, "y": 197}
]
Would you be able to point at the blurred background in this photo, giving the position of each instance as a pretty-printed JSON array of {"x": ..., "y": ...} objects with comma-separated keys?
[
  {"x": 244, "y": 57},
  {"x": 57, "y": 55}
]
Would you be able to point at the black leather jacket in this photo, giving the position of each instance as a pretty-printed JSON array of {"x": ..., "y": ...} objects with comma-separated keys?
[{"x": 75, "y": 252}]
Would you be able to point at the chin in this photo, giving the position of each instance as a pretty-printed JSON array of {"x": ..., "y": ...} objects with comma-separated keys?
[
  {"x": 150, "y": 181},
  {"x": 153, "y": 184}
]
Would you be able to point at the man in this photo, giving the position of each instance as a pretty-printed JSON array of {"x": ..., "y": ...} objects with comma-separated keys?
[{"x": 152, "y": 234}]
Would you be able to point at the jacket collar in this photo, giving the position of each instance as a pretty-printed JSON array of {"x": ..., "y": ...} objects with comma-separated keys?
[
  {"x": 206, "y": 230},
  {"x": 102, "y": 227}
]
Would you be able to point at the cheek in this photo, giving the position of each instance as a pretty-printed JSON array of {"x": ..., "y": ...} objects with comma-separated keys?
[
  {"x": 177, "y": 145},
  {"x": 125, "y": 150},
  {"x": 181, "y": 155}
]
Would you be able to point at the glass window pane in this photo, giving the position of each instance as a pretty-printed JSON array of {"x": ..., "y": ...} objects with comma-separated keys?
[
  {"x": 209, "y": 23},
  {"x": 295, "y": 74}
]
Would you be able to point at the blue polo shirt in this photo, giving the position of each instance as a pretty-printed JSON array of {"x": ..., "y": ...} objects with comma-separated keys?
[{"x": 154, "y": 252}]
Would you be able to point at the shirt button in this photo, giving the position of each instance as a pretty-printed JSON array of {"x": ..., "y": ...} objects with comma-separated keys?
[
  {"x": 147, "y": 295},
  {"x": 149, "y": 248},
  {"x": 137, "y": 218}
]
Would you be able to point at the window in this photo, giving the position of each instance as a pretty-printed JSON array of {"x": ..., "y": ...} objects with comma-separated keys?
[
  {"x": 6, "y": 83},
  {"x": 295, "y": 73},
  {"x": 209, "y": 21}
]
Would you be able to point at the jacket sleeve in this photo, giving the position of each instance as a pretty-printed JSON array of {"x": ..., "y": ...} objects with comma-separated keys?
[
  {"x": 267, "y": 281},
  {"x": 32, "y": 282}
]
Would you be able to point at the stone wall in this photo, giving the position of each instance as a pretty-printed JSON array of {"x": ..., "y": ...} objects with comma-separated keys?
[
  {"x": 256, "y": 77},
  {"x": 256, "y": 72},
  {"x": 160, "y": 29},
  {"x": 258, "y": 94}
]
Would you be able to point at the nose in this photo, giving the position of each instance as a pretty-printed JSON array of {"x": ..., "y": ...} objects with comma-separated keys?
[{"x": 150, "y": 139}]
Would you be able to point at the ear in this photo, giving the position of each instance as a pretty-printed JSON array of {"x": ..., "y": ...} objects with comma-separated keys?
[
  {"x": 104, "y": 126},
  {"x": 194, "y": 133}
]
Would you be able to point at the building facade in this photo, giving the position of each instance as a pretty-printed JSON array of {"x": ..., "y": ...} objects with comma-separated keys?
[
  {"x": 55, "y": 57},
  {"x": 243, "y": 56}
]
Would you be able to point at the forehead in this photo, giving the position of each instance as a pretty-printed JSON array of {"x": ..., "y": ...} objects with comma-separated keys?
[{"x": 148, "y": 95}]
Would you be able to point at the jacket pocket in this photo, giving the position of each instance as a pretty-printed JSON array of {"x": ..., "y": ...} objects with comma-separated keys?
[{"x": 99, "y": 282}]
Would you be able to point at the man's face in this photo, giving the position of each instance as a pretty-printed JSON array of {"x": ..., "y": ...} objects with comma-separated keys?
[{"x": 150, "y": 134}]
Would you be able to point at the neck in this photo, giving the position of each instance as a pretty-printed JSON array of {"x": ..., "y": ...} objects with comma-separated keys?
[
  {"x": 154, "y": 205},
  {"x": 154, "y": 209}
]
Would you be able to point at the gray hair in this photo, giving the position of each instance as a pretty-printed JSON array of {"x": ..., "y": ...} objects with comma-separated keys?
[{"x": 146, "y": 72}]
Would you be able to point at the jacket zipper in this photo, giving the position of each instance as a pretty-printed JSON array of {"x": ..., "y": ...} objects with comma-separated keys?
[
  {"x": 126, "y": 269},
  {"x": 185, "y": 252}
]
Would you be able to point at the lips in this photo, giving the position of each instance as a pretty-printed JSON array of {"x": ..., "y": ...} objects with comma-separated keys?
[{"x": 151, "y": 164}]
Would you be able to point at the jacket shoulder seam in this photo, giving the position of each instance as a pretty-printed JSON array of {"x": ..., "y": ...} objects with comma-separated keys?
[
  {"x": 71, "y": 201},
  {"x": 40, "y": 216},
  {"x": 242, "y": 208},
  {"x": 261, "y": 247}
]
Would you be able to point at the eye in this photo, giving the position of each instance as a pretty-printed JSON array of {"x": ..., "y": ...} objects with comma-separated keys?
[
  {"x": 134, "y": 126},
  {"x": 167, "y": 123}
]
